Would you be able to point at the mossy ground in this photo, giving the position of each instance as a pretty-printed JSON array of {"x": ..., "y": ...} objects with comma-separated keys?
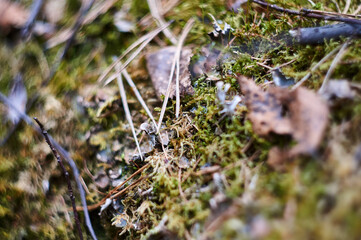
[{"x": 314, "y": 197}]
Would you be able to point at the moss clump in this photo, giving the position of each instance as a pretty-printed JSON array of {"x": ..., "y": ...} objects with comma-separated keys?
[{"x": 211, "y": 179}]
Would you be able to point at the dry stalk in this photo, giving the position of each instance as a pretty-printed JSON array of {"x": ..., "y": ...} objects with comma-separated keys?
[{"x": 348, "y": 3}]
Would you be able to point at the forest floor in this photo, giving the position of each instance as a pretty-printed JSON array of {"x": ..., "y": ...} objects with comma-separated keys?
[{"x": 258, "y": 135}]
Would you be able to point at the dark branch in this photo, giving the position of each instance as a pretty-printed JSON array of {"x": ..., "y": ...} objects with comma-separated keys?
[
  {"x": 316, "y": 35},
  {"x": 307, "y": 13},
  {"x": 66, "y": 174}
]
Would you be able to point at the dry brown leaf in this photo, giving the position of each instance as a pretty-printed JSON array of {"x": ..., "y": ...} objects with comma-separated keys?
[
  {"x": 12, "y": 15},
  {"x": 159, "y": 66},
  {"x": 301, "y": 114}
]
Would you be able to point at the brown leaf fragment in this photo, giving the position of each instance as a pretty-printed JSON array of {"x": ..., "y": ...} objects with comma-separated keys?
[
  {"x": 12, "y": 15},
  {"x": 301, "y": 114},
  {"x": 159, "y": 66}
]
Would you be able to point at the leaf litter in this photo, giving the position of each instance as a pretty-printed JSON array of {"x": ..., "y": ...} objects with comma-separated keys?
[
  {"x": 203, "y": 173},
  {"x": 300, "y": 114}
]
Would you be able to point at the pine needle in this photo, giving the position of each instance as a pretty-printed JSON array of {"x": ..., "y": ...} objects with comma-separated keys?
[
  {"x": 126, "y": 109},
  {"x": 183, "y": 36},
  {"x": 334, "y": 63},
  {"x": 137, "y": 94},
  {"x": 146, "y": 39},
  {"x": 309, "y": 74},
  {"x": 154, "y": 6}
]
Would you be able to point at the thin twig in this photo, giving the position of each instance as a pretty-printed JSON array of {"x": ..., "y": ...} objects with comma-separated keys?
[
  {"x": 154, "y": 10},
  {"x": 123, "y": 96},
  {"x": 334, "y": 63},
  {"x": 330, "y": 13},
  {"x": 309, "y": 74},
  {"x": 128, "y": 187},
  {"x": 66, "y": 174},
  {"x": 183, "y": 36},
  {"x": 78, "y": 23},
  {"x": 265, "y": 66},
  {"x": 64, "y": 154},
  {"x": 307, "y": 13},
  {"x": 101, "y": 202},
  {"x": 136, "y": 52}
]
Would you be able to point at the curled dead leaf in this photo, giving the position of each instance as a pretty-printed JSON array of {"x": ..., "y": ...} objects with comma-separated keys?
[{"x": 301, "y": 114}]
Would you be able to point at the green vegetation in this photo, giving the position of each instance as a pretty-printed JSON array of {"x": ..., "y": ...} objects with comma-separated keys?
[{"x": 213, "y": 179}]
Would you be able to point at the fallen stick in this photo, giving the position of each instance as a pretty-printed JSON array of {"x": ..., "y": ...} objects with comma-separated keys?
[{"x": 316, "y": 35}]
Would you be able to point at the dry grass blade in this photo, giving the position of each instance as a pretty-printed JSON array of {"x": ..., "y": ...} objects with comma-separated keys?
[
  {"x": 183, "y": 36},
  {"x": 137, "y": 94},
  {"x": 126, "y": 110},
  {"x": 334, "y": 63},
  {"x": 309, "y": 74},
  {"x": 154, "y": 6},
  {"x": 139, "y": 49}
]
